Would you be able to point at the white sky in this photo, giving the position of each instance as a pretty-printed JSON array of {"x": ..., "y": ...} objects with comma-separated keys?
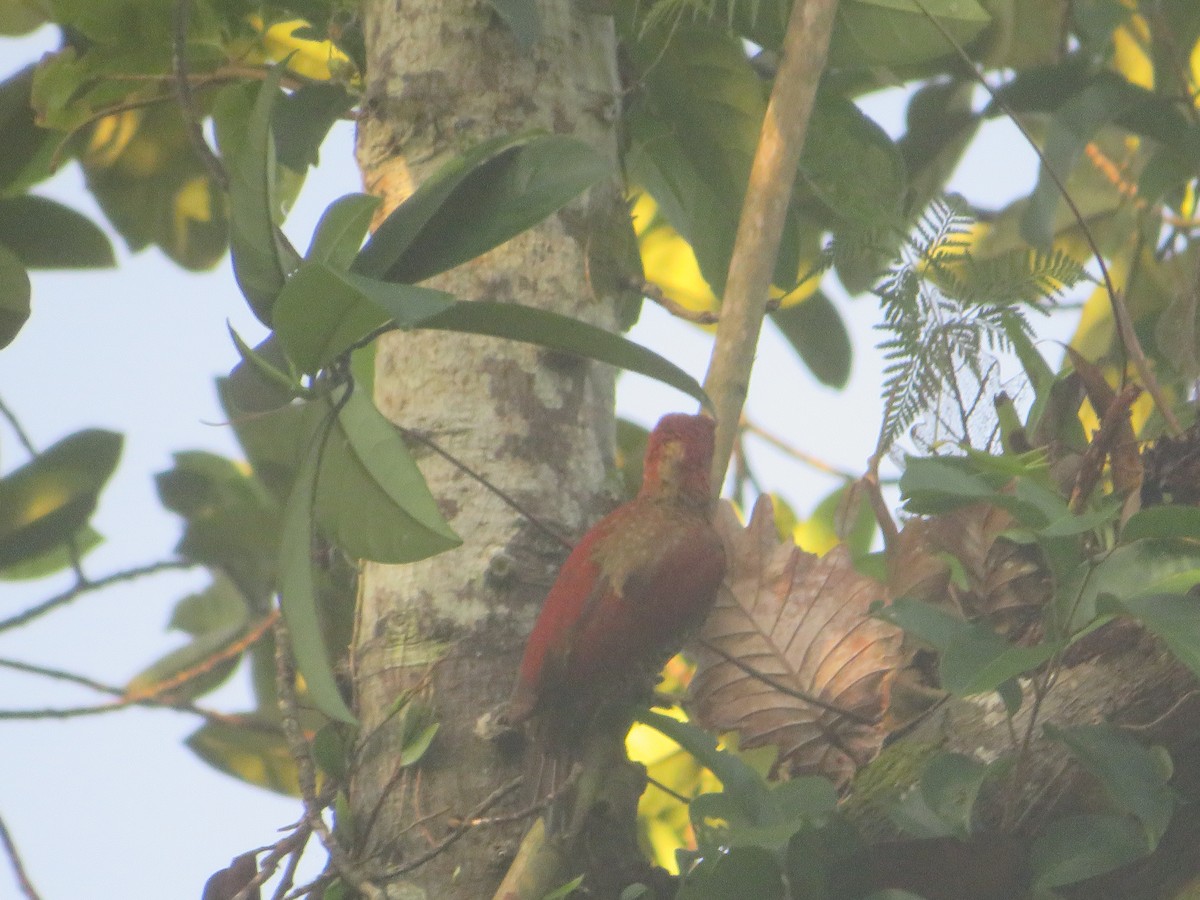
[{"x": 114, "y": 804}]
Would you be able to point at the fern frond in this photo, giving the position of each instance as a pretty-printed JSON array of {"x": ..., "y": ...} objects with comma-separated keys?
[{"x": 944, "y": 314}]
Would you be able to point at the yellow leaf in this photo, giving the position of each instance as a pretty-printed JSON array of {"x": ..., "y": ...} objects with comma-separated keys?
[
  {"x": 310, "y": 59},
  {"x": 668, "y": 260},
  {"x": 110, "y": 136},
  {"x": 1131, "y": 57},
  {"x": 193, "y": 203}
]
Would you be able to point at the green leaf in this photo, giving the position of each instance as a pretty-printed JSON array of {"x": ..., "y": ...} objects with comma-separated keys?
[
  {"x": 1071, "y": 524},
  {"x": 896, "y": 32},
  {"x": 547, "y": 329},
  {"x": 845, "y": 511},
  {"x": 215, "y": 618},
  {"x": 828, "y": 863},
  {"x": 1080, "y": 847},
  {"x": 704, "y": 106},
  {"x": 261, "y": 381},
  {"x": 521, "y": 17},
  {"x": 47, "y": 235},
  {"x": 852, "y": 166},
  {"x": 1135, "y": 777},
  {"x": 816, "y": 331},
  {"x": 657, "y": 162},
  {"x": 1175, "y": 618},
  {"x": 927, "y": 623},
  {"x": 478, "y": 201},
  {"x": 932, "y": 485},
  {"x": 19, "y": 17},
  {"x": 297, "y": 594},
  {"x": 46, "y": 502},
  {"x": 14, "y": 296},
  {"x": 254, "y": 752},
  {"x": 1104, "y": 98},
  {"x": 55, "y": 560},
  {"x": 973, "y": 658},
  {"x": 936, "y": 485},
  {"x": 262, "y": 259},
  {"x": 564, "y": 890},
  {"x": 333, "y": 749},
  {"x": 149, "y": 182},
  {"x": 1163, "y": 522},
  {"x": 322, "y": 312},
  {"x": 1141, "y": 569},
  {"x": 741, "y": 873},
  {"x": 275, "y": 442},
  {"x": 738, "y": 779},
  {"x": 232, "y": 521},
  {"x": 27, "y": 147},
  {"x": 416, "y": 748},
  {"x": 301, "y": 120},
  {"x": 340, "y": 232},
  {"x": 980, "y": 661},
  {"x": 372, "y": 500},
  {"x": 949, "y": 786}
]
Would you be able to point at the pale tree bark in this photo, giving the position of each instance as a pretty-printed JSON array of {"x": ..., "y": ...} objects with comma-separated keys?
[{"x": 444, "y": 74}]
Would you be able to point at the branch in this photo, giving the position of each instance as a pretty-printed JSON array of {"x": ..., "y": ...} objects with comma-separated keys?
[
  {"x": 768, "y": 193},
  {"x": 86, "y": 585},
  {"x": 305, "y": 771},
  {"x": 18, "y": 867},
  {"x": 471, "y": 820},
  {"x": 154, "y": 696}
]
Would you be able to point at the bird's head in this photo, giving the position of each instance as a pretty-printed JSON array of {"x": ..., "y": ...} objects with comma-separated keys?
[{"x": 678, "y": 456}]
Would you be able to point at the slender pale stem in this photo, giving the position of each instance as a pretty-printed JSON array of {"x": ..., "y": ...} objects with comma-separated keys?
[{"x": 805, "y": 46}]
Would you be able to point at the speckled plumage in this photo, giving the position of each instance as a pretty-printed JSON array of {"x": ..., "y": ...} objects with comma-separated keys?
[{"x": 625, "y": 600}]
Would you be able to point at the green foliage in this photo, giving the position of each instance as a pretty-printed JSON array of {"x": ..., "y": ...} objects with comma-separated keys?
[
  {"x": 943, "y": 313},
  {"x": 262, "y": 258},
  {"x": 331, "y": 478},
  {"x": 46, "y": 503},
  {"x": 477, "y": 201}
]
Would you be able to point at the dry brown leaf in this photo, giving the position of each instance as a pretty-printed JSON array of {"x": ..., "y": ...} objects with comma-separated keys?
[
  {"x": 1002, "y": 581},
  {"x": 801, "y": 621}
]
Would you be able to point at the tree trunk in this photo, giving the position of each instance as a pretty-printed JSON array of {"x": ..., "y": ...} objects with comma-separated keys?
[{"x": 442, "y": 75}]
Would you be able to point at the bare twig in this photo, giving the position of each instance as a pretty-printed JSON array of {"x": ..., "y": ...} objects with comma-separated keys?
[
  {"x": 541, "y": 526},
  {"x": 123, "y": 702},
  {"x": 1120, "y": 310},
  {"x": 653, "y": 292},
  {"x": 458, "y": 831},
  {"x": 305, "y": 770},
  {"x": 768, "y": 193},
  {"x": 794, "y": 452},
  {"x": 14, "y": 858},
  {"x": 226, "y": 653},
  {"x": 88, "y": 585},
  {"x": 292, "y": 845},
  {"x": 15, "y": 424}
]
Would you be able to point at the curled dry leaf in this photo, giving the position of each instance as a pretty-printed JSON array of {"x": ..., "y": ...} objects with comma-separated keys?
[
  {"x": 999, "y": 581},
  {"x": 801, "y": 621},
  {"x": 230, "y": 881}
]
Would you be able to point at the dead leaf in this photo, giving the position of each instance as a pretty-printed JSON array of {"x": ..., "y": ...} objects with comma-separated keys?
[
  {"x": 229, "y": 881},
  {"x": 801, "y": 621},
  {"x": 997, "y": 580}
]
